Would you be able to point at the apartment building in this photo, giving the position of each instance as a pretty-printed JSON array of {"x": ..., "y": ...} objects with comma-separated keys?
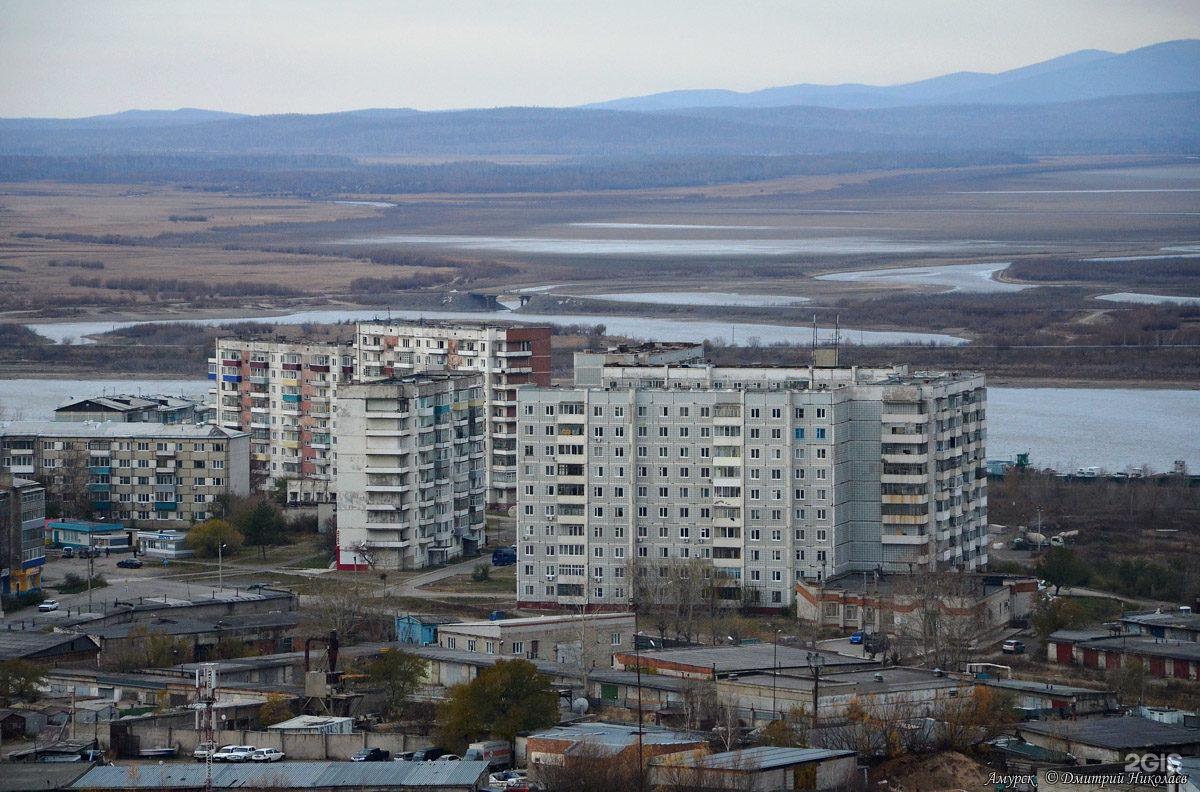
[
  {"x": 165, "y": 475},
  {"x": 22, "y": 539},
  {"x": 770, "y": 475},
  {"x": 412, "y": 472},
  {"x": 506, "y": 357},
  {"x": 283, "y": 394}
]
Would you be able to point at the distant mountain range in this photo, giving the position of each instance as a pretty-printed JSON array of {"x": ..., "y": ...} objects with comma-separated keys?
[
  {"x": 1169, "y": 67},
  {"x": 1088, "y": 102}
]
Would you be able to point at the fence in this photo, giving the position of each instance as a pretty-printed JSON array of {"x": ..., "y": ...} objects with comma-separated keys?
[{"x": 297, "y": 745}]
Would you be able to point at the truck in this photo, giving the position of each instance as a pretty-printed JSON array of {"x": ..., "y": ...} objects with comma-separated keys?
[
  {"x": 497, "y": 753},
  {"x": 1063, "y": 538}
]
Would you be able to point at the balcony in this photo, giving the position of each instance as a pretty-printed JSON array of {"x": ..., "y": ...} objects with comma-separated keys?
[
  {"x": 169, "y": 506},
  {"x": 99, "y": 470}
]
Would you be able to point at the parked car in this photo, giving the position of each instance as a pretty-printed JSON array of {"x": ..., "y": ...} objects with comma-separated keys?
[
  {"x": 428, "y": 754},
  {"x": 856, "y": 638},
  {"x": 504, "y": 556},
  {"x": 496, "y": 753},
  {"x": 1013, "y": 646},
  {"x": 130, "y": 563},
  {"x": 45, "y": 606},
  {"x": 448, "y": 758},
  {"x": 267, "y": 755},
  {"x": 203, "y": 750},
  {"x": 234, "y": 753},
  {"x": 67, "y": 552},
  {"x": 371, "y": 755},
  {"x": 505, "y": 778}
]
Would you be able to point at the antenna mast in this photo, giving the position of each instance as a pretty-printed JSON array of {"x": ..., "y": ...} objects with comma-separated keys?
[{"x": 206, "y": 696}]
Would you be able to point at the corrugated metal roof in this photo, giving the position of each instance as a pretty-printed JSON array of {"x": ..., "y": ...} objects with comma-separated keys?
[
  {"x": 768, "y": 757},
  {"x": 286, "y": 775}
]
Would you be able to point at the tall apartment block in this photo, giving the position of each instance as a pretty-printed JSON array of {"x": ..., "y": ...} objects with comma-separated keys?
[
  {"x": 772, "y": 475},
  {"x": 412, "y": 470},
  {"x": 505, "y": 356},
  {"x": 283, "y": 394},
  {"x": 589, "y": 366},
  {"x": 22, "y": 534},
  {"x": 166, "y": 475}
]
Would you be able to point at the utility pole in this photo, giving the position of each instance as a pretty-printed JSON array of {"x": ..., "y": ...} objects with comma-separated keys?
[
  {"x": 775, "y": 677},
  {"x": 220, "y": 569},
  {"x": 91, "y": 569},
  {"x": 815, "y": 661}
]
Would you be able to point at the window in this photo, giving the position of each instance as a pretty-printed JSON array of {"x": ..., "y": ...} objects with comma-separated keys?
[
  {"x": 820, "y": 432},
  {"x": 615, "y": 639},
  {"x": 518, "y": 647}
]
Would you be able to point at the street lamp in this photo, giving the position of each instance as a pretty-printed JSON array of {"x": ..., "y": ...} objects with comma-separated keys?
[
  {"x": 220, "y": 569},
  {"x": 815, "y": 661}
]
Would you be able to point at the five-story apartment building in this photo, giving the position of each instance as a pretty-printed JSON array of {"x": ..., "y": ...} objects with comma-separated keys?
[
  {"x": 411, "y": 472},
  {"x": 505, "y": 356},
  {"x": 769, "y": 475},
  {"x": 162, "y": 474}
]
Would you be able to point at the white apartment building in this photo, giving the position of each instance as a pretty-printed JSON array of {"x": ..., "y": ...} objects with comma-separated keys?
[
  {"x": 411, "y": 471},
  {"x": 589, "y": 366},
  {"x": 283, "y": 394},
  {"x": 165, "y": 475},
  {"x": 772, "y": 475},
  {"x": 505, "y": 356}
]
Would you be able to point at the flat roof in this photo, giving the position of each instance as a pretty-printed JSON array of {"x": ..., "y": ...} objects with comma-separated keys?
[
  {"x": 859, "y": 680},
  {"x": 285, "y": 775},
  {"x": 745, "y": 657},
  {"x": 1186, "y": 619},
  {"x": 117, "y": 430},
  {"x": 189, "y": 626},
  {"x": 18, "y": 643},
  {"x": 309, "y": 722},
  {"x": 1034, "y": 686},
  {"x": 1116, "y": 733},
  {"x": 532, "y": 621}
]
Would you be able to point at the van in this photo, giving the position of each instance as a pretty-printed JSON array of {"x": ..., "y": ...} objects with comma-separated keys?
[
  {"x": 497, "y": 753},
  {"x": 504, "y": 556}
]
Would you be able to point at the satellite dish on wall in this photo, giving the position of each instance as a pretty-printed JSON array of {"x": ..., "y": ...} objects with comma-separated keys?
[{"x": 579, "y": 706}]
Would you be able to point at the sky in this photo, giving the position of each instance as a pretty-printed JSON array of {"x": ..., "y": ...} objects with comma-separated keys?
[{"x": 74, "y": 58}]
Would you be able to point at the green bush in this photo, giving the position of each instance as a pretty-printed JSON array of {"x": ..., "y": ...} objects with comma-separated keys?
[
  {"x": 25, "y": 599},
  {"x": 481, "y": 572}
]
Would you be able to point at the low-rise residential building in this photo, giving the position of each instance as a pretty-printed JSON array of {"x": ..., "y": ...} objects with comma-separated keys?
[
  {"x": 284, "y": 395},
  {"x": 134, "y": 409},
  {"x": 412, "y": 471},
  {"x": 591, "y": 639},
  {"x": 1103, "y": 650},
  {"x": 506, "y": 357},
  {"x": 766, "y": 476},
  {"x": 136, "y": 472},
  {"x": 762, "y": 769},
  {"x": 1045, "y": 698},
  {"x": 22, "y": 544}
]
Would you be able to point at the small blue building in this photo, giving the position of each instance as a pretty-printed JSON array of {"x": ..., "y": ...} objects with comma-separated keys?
[
  {"x": 97, "y": 535},
  {"x": 420, "y": 629}
]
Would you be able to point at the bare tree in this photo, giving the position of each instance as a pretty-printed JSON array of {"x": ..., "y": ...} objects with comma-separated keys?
[{"x": 937, "y": 617}]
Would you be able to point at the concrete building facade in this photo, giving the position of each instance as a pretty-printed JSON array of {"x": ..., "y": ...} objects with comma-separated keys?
[
  {"x": 769, "y": 476},
  {"x": 411, "y": 471},
  {"x": 22, "y": 544},
  {"x": 149, "y": 473},
  {"x": 590, "y": 639},
  {"x": 505, "y": 357},
  {"x": 283, "y": 395}
]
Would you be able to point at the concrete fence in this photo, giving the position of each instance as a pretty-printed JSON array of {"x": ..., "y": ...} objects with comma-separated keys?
[{"x": 295, "y": 744}]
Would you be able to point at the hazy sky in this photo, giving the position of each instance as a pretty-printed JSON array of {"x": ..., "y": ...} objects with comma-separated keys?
[{"x": 79, "y": 58}]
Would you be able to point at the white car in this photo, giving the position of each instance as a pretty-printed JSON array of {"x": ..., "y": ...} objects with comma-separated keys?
[
  {"x": 448, "y": 758},
  {"x": 234, "y": 753},
  {"x": 267, "y": 755},
  {"x": 45, "y": 606}
]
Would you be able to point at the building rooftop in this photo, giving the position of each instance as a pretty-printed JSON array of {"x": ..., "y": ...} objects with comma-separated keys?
[
  {"x": 763, "y": 758},
  {"x": 1185, "y": 619},
  {"x": 616, "y": 735},
  {"x": 22, "y": 777},
  {"x": 1034, "y": 686},
  {"x": 534, "y": 621},
  {"x": 420, "y": 378},
  {"x": 285, "y": 775},
  {"x": 741, "y": 658},
  {"x": 429, "y": 618},
  {"x": 242, "y": 621},
  {"x": 17, "y": 643},
  {"x": 86, "y": 526},
  {"x": 308, "y": 722},
  {"x": 880, "y": 679},
  {"x": 126, "y": 403},
  {"x": 117, "y": 431},
  {"x": 373, "y": 325},
  {"x": 1115, "y": 733}
]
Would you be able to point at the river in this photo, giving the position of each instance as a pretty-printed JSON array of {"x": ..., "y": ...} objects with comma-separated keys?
[{"x": 1063, "y": 428}]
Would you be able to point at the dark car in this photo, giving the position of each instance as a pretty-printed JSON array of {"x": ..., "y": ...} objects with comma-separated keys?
[
  {"x": 428, "y": 754},
  {"x": 372, "y": 755},
  {"x": 129, "y": 563},
  {"x": 504, "y": 556}
]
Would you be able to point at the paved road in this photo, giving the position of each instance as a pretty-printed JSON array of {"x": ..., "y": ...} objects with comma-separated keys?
[{"x": 1079, "y": 591}]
